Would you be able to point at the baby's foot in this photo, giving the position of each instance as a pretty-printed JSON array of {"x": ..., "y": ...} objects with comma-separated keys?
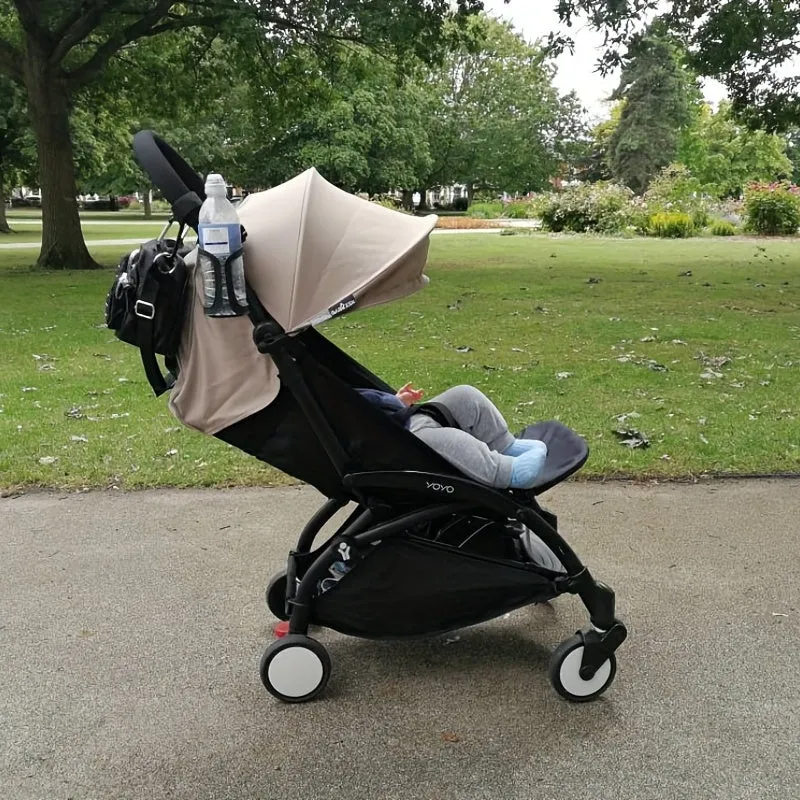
[
  {"x": 520, "y": 446},
  {"x": 528, "y": 466}
]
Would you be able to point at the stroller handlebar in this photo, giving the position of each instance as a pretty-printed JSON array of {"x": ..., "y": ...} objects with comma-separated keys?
[{"x": 169, "y": 172}]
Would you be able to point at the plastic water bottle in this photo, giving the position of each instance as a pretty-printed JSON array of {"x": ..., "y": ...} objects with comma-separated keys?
[{"x": 219, "y": 236}]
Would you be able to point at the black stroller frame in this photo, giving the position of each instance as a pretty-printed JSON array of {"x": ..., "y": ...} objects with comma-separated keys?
[{"x": 386, "y": 532}]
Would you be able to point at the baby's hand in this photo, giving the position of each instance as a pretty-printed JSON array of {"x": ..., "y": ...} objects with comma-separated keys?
[{"x": 409, "y": 395}]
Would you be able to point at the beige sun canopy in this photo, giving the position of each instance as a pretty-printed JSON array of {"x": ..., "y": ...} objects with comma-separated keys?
[{"x": 312, "y": 252}]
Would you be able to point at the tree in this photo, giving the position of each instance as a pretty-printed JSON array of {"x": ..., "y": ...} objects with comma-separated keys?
[
  {"x": 751, "y": 46},
  {"x": 14, "y": 154},
  {"x": 595, "y": 166},
  {"x": 659, "y": 95},
  {"x": 359, "y": 123},
  {"x": 56, "y": 48},
  {"x": 725, "y": 156},
  {"x": 493, "y": 113}
]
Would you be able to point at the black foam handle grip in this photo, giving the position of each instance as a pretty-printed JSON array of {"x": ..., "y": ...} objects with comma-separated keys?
[{"x": 179, "y": 183}]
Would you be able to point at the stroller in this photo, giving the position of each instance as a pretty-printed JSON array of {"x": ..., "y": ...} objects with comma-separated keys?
[{"x": 424, "y": 550}]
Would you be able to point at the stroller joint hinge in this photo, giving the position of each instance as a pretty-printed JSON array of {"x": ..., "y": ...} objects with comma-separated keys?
[{"x": 268, "y": 336}]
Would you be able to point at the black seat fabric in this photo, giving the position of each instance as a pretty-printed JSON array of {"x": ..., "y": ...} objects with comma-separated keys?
[{"x": 566, "y": 452}]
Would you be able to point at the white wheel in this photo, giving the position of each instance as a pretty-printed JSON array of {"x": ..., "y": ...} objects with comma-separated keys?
[
  {"x": 295, "y": 669},
  {"x": 565, "y": 667}
]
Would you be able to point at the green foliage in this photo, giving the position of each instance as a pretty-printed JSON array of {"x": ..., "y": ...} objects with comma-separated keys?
[
  {"x": 486, "y": 210},
  {"x": 658, "y": 94},
  {"x": 493, "y": 117},
  {"x": 517, "y": 209},
  {"x": 596, "y": 208},
  {"x": 675, "y": 189},
  {"x": 721, "y": 227},
  {"x": 675, "y": 225},
  {"x": 773, "y": 209},
  {"x": 725, "y": 156},
  {"x": 752, "y": 47}
]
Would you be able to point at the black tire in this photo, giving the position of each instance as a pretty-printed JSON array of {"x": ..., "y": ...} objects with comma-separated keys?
[
  {"x": 276, "y": 595},
  {"x": 295, "y": 669},
  {"x": 564, "y": 674}
]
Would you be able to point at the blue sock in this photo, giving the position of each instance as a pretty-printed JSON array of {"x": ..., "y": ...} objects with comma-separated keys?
[
  {"x": 520, "y": 446},
  {"x": 528, "y": 466}
]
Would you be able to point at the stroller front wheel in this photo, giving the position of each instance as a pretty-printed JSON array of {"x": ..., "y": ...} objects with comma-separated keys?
[
  {"x": 295, "y": 669},
  {"x": 565, "y": 669}
]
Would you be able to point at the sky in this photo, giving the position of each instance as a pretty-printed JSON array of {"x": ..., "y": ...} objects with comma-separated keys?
[{"x": 536, "y": 18}]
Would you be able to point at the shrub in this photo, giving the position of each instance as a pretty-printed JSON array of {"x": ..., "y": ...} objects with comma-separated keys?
[
  {"x": 721, "y": 227},
  {"x": 671, "y": 226},
  {"x": 772, "y": 209},
  {"x": 597, "y": 208},
  {"x": 460, "y": 204},
  {"x": 517, "y": 210},
  {"x": 387, "y": 202},
  {"x": 493, "y": 210},
  {"x": 675, "y": 190}
]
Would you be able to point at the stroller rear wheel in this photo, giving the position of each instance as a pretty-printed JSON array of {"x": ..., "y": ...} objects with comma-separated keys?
[
  {"x": 295, "y": 669},
  {"x": 565, "y": 669},
  {"x": 276, "y": 595}
]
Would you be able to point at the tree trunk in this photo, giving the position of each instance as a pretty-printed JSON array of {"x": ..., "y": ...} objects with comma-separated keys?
[
  {"x": 470, "y": 193},
  {"x": 147, "y": 203},
  {"x": 3, "y": 221},
  {"x": 408, "y": 199},
  {"x": 63, "y": 246}
]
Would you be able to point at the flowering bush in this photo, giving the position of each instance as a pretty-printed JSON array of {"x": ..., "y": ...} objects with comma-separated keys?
[
  {"x": 675, "y": 191},
  {"x": 597, "y": 208},
  {"x": 772, "y": 209}
]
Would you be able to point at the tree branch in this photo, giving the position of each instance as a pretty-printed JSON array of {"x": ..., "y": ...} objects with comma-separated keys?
[
  {"x": 29, "y": 17},
  {"x": 101, "y": 56},
  {"x": 10, "y": 60},
  {"x": 78, "y": 26}
]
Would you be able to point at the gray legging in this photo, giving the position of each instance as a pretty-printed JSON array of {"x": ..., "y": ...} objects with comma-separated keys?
[{"x": 477, "y": 448}]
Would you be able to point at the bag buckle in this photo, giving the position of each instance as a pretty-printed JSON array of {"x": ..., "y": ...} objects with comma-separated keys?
[{"x": 144, "y": 309}]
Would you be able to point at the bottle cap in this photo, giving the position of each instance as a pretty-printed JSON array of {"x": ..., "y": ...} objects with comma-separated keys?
[{"x": 215, "y": 179}]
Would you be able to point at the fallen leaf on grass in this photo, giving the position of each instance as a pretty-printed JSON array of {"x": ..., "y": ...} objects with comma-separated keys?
[
  {"x": 656, "y": 367},
  {"x": 76, "y": 412},
  {"x": 593, "y": 280},
  {"x": 563, "y": 375},
  {"x": 44, "y": 460},
  {"x": 464, "y": 349},
  {"x": 632, "y": 438},
  {"x": 78, "y": 439},
  {"x": 172, "y": 452},
  {"x": 621, "y": 418},
  {"x": 29, "y": 389},
  {"x": 687, "y": 274},
  {"x": 710, "y": 375}
]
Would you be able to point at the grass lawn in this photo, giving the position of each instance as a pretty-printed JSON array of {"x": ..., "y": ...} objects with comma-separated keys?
[{"x": 706, "y": 365}]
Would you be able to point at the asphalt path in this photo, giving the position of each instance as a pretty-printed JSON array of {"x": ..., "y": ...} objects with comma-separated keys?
[{"x": 132, "y": 625}]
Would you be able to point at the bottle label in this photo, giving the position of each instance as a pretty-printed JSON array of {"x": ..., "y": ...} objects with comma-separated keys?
[{"x": 220, "y": 240}]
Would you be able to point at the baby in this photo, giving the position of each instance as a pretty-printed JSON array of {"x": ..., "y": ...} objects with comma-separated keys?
[{"x": 481, "y": 446}]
